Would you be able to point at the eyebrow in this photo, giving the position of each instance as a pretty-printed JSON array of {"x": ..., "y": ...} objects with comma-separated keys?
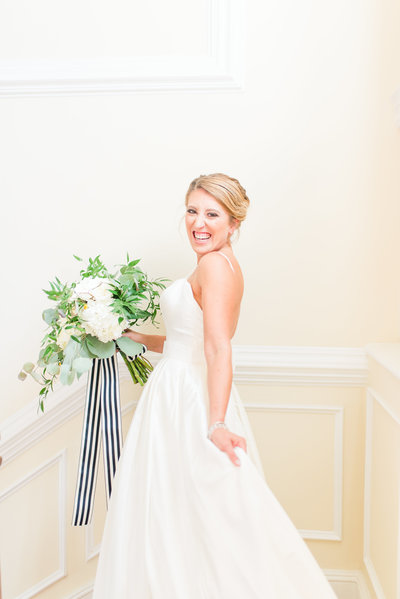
[{"x": 207, "y": 210}]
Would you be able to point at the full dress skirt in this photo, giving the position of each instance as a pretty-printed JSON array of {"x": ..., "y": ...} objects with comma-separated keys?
[{"x": 183, "y": 521}]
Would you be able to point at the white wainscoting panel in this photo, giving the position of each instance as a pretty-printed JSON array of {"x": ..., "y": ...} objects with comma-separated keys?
[
  {"x": 337, "y": 412},
  {"x": 58, "y": 460}
]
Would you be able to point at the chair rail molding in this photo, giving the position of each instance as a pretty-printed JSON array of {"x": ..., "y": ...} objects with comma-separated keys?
[
  {"x": 220, "y": 68},
  {"x": 300, "y": 365},
  {"x": 259, "y": 365}
]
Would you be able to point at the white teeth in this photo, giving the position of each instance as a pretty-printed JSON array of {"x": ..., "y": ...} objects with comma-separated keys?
[{"x": 202, "y": 235}]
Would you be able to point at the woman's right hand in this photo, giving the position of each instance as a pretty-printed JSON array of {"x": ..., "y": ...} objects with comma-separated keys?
[
  {"x": 226, "y": 441},
  {"x": 131, "y": 334},
  {"x": 152, "y": 342}
]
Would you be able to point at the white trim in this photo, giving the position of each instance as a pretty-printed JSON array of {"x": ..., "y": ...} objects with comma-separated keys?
[
  {"x": 258, "y": 365},
  {"x": 308, "y": 365},
  {"x": 352, "y": 576},
  {"x": 220, "y": 69},
  {"x": 338, "y": 412},
  {"x": 85, "y": 592},
  {"x": 60, "y": 460},
  {"x": 372, "y": 396}
]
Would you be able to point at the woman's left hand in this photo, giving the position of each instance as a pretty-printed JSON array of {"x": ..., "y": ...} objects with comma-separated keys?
[{"x": 225, "y": 440}]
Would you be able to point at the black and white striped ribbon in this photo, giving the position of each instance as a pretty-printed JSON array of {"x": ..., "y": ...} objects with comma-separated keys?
[{"x": 102, "y": 410}]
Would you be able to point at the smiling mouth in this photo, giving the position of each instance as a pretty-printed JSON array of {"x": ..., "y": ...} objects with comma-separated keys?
[{"x": 201, "y": 236}]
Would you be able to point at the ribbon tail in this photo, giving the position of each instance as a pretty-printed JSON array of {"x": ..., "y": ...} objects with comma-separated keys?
[
  {"x": 89, "y": 454},
  {"x": 110, "y": 420}
]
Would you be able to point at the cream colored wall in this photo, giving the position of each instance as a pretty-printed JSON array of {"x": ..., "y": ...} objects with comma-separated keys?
[
  {"x": 301, "y": 137},
  {"x": 312, "y": 138}
]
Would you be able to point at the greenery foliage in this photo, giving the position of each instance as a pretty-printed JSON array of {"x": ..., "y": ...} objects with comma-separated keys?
[{"x": 128, "y": 297}]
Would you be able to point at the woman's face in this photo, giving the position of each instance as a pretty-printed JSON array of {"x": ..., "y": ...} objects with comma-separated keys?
[{"x": 208, "y": 224}]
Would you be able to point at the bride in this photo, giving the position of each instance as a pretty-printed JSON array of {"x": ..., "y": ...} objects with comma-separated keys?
[{"x": 191, "y": 515}]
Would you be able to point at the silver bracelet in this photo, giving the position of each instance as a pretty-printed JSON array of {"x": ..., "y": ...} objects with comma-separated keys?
[{"x": 218, "y": 424}]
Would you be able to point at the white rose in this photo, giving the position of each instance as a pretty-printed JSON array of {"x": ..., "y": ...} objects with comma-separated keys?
[
  {"x": 99, "y": 320},
  {"x": 93, "y": 289}
]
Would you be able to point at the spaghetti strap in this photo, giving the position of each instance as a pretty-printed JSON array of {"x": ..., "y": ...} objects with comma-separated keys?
[{"x": 230, "y": 263}]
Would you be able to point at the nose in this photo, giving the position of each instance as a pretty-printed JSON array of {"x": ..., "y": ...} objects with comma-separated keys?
[{"x": 199, "y": 221}]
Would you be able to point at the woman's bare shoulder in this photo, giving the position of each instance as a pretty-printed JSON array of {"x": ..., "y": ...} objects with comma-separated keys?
[{"x": 214, "y": 268}]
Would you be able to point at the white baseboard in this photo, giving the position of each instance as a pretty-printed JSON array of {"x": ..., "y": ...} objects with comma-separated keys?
[{"x": 347, "y": 584}]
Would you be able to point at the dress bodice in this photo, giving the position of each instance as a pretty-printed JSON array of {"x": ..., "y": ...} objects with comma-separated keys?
[{"x": 183, "y": 319}]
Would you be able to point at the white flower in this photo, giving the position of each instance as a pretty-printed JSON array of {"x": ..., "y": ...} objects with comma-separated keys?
[
  {"x": 64, "y": 335},
  {"x": 93, "y": 289},
  {"x": 99, "y": 320},
  {"x": 63, "y": 338}
]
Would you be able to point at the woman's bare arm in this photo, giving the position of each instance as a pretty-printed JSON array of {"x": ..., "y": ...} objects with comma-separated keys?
[
  {"x": 220, "y": 299},
  {"x": 152, "y": 342}
]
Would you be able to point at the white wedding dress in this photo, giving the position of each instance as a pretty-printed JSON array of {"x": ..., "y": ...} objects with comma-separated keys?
[{"x": 184, "y": 522}]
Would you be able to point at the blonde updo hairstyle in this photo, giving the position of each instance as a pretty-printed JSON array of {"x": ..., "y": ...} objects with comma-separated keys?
[{"x": 226, "y": 190}]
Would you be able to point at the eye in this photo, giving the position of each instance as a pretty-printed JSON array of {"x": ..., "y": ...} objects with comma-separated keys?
[
  {"x": 212, "y": 214},
  {"x": 191, "y": 211}
]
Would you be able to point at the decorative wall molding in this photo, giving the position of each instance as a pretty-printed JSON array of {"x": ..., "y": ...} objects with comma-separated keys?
[
  {"x": 348, "y": 584},
  {"x": 338, "y": 413},
  {"x": 373, "y": 396},
  {"x": 258, "y": 365},
  {"x": 221, "y": 68},
  {"x": 60, "y": 460},
  {"x": 308, "y": 365},
  {"x": 85, "y": 592}
]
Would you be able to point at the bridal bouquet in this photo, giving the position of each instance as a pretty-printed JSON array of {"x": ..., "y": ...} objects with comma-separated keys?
[{"x": 88, "y": 319}]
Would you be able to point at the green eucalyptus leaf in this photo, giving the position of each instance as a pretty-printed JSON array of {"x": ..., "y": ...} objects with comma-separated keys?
[
  {"x": 71, "y": 351},
  {"x": 37, "y": 377},
  {"x": 129, "y": 347},
  {"x": 85, "y": 352},
  {"x": 53, "y": 359},
  {"x": 50, "y": 316},
  {"x": 81, "y": 365},
  {"x": 100, "y": 349},
  {"x": 53, "y": 368},
  {"x": 66, "y": 374}
]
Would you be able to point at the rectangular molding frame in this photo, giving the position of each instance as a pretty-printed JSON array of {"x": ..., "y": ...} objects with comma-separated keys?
[
  {"x": 355, "y": 577},
  {"x": 372, "y": 573},
  {"x": 220, "y": 69},
  {"x": 60, "y": 460},
  {"x": 338, "y": 413}
]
